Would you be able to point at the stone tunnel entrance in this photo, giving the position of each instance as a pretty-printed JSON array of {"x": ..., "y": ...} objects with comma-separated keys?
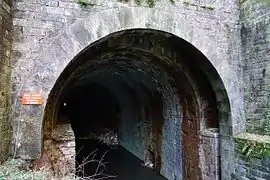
[{"x": 142, "y": 98}]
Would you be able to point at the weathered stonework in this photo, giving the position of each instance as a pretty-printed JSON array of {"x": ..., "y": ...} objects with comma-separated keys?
[
  {"x": 61, "y": 150},
  {"x": 210, "y": 150},
  {"x": 256, "y": 165},
  {"x": 5, "y": 77},
  {"x": 255, "y": 35},
  {"x": 49, "y": 34}
]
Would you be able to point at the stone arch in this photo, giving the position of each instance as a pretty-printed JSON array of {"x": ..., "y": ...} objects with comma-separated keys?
[
  {"x": 68, "y": 44},
  {"x": 151, "y": 45}
]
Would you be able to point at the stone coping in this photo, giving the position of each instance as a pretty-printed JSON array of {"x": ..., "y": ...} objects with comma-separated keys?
[{"x": 253, "y": 137}]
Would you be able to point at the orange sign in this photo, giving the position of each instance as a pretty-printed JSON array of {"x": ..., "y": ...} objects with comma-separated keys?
[{"x": 32, "y": 98}]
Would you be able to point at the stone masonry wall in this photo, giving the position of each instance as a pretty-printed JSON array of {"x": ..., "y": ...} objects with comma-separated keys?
[
  {"x": 210, "y": 153},
  {"x": 252, "y": 169},
  {"x": 64, "y": 140},
  {"x": 5, "y": 77},
  {"x": 44, "y": 30},
  {"x": 255, "y": 165},
  {"x": 255, "y": 34},
  {"x": 38, "y": 23}
]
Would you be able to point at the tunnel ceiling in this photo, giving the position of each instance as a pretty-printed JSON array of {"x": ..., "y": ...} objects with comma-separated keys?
[{"x": 124, "y": 71}]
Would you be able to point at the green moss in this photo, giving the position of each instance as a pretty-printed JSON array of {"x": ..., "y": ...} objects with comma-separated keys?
[
  {"x": 208, "y": 7},
  {"x": 151, "y": 3},
  {"x": 253, "y": 1},
  {"x": 255, "y": 130},
  {"x": 84, "y": 3},
  {"x": 186, "y": 2},
  {"x": 252, "y": 145},
  {"x": 172, "y": 1},
  {"x": 138, "y": 2},
  {"x": 14, "y": 169},
  {"x": 246, "y": 12},
  {"x": 261, "y": 1}
]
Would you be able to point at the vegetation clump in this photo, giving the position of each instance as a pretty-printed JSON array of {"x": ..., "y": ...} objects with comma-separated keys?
[
  {"x": 253, "y": 145},
  {"x": 186, "y": 2},
  {"x": 254, "y": 1},
  {"x": 208, "y": 7},
  {"x": 84, "y": 3},
  {"x": 150, "y": 3},
  {"x": 15, "y": 169}
]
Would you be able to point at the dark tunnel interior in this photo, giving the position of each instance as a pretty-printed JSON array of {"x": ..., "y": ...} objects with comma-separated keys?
[{"x": 93, "y": 109}]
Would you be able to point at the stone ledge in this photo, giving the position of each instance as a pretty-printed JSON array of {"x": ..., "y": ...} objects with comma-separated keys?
[
  {"x": 210, "y": 132},
  {"x": 253, "y": 137},
  {"x": 252, "y": 145},
  {"x": 63, "y": 133}
]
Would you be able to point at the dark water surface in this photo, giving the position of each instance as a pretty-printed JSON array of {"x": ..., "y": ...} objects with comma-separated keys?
[{"x": 120, "y": 162}]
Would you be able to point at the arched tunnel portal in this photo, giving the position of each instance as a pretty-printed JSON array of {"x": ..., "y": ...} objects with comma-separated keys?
[{"x": 155, "y": 91}]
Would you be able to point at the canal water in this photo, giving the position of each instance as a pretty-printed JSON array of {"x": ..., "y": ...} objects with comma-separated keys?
[{"x": 120, "y": 164}]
